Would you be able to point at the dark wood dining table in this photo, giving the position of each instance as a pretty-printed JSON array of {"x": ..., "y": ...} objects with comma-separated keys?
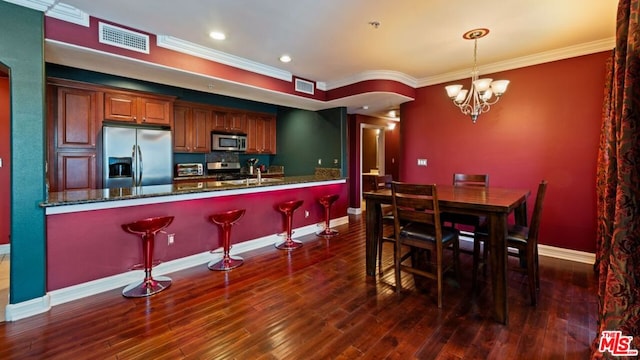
[{"x": 494, "y": 203}]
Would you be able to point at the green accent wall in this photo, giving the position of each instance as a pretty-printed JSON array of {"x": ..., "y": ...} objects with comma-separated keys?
[
  {"x": 21, "y": 49},
  {"x": 305, "y": 136}
]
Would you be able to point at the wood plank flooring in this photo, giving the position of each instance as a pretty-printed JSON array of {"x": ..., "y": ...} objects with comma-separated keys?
[{"x": 316, "y": 303}]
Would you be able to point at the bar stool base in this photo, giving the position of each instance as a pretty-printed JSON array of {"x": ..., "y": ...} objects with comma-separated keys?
[
  {"x": 289, "y": 245},
  {"x": 146, "y": 288},
  {"x": 226, "y": 264},
  {"x": 327, "y": 233}
]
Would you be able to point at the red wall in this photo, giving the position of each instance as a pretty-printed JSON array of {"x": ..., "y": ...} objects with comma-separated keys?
[
  {"x": 547, "y": 126},
  {"x": 5, "y": 154},
  {"x": 91, "y": 245}
]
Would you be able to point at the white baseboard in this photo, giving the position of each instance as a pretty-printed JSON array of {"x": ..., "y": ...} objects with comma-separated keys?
[
  {"x": 567, "y": 254},
  {"x": 42, "y": 304},
  {"x": 354, "y": 211},
  {"x": 27, "y": 308},
  {"x": 557, "y": 252},
  {"x": 5, "y": 249}
]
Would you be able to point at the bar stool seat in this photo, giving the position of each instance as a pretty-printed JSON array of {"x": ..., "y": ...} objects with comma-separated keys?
[
  {"x": 288, "y": 208},
  {"x": 147, "y": 229},
  {"x": 327, "y": 201},
  {"x": 226, "y": 220}
]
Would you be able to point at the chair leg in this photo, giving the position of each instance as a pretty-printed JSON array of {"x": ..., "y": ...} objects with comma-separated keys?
[
  {"x": 380, "y": 256},
  {"x": 476, "y": 262},
  {"x": 397, "y": 249}
]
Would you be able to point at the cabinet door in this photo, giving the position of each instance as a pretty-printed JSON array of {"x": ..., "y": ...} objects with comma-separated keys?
[
  {"x": 77, "y": 118},
  {"x": 76, "y": 170},
  {"x": 154, "y": 111},
  {"x": 235, "y": 122},
  {"x": 252, "y": 135},
  {"x": 181, "y": 120},
  {"x": 269, "y": 137},
  {"x": 200, "y": 130},
  {"x": 218, "y": 121},
  {"x": 120, "y": 107}
]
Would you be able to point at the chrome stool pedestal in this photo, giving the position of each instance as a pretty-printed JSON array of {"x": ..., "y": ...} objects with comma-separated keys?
[{"x": 147, "y": 229}]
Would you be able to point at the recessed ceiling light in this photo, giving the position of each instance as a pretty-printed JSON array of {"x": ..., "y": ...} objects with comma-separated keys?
[
  {"x": 217, "y": 35},
  {"x": 285, "y": 58}
]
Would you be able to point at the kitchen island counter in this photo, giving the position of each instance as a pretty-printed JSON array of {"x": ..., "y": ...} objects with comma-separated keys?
[
  {"x": 86, "y": 244},
  {"x": 82, "y": 200}
]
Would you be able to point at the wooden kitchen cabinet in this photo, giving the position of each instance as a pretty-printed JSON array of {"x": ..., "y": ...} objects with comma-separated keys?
[
  {"x": 73, "y": 126},
  {"x": 138, "y": 109},
  {"x": 76, "y": 170},
  {"x": 191, "y": 129},
  {"x": 261, "y": 134},
  {"x": 229, "y": 121}
]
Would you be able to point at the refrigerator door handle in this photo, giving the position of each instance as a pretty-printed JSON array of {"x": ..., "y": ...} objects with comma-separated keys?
[
  {"x": 134, "y": 167},
  {"x": 140, "y": 165}
]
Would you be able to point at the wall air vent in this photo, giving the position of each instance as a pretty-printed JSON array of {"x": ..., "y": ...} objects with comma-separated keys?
[
  {"x": 305, "y": 86},
  {"x": 123, "y": 38}
]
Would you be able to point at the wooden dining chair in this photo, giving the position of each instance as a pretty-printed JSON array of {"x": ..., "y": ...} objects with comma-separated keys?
[
  {"x": 378, "y": 183},
  {"x": 471, "y": 221},
  {"x": 417, "y": 224},
  {"x": 525, "y": 240}
]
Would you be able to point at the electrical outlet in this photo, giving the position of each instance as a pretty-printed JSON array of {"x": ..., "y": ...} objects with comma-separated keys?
[
  {"x": 306, "y": 213},
  {"x": 170, "y": 239},
  {"x": 319, "y": 161},
  {"x": 422, "y": 162},
  {"x": 335, "y": 161}
]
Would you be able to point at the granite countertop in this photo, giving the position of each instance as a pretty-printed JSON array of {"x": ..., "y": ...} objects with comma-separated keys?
[{"x": 199, "y": 185}]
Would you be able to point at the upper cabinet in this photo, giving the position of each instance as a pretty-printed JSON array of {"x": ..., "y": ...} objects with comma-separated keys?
[
  {"x": 228, "y": 121},
  {"x": 73, "y": 124},
  {"x": 191, "y": 128},
  {"x": 261, "y": 134},
  {"x": 138, "y": 109}
]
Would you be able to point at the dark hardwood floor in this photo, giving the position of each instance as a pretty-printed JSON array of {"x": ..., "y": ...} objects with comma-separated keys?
[{"x": 316, "y": 303}]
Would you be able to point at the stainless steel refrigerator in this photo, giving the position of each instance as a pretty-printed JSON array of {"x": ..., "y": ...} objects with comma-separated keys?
[{"x": 136, "y": 156}]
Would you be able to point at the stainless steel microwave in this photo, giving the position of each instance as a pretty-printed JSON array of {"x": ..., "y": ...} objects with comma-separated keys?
[{"x": 228, "y": 142}]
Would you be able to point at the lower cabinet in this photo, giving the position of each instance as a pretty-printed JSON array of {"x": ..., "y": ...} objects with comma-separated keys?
[{"x": 76, "y": 170}]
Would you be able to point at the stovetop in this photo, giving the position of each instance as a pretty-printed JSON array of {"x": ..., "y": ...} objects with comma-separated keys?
[{"x": 225, "y": 170}]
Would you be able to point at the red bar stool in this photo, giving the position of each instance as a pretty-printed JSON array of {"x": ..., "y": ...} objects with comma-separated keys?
[
  {"x": 327, "y": 201},
  {"x": 147, "y": 228},
  {"x": 288, "y": 208},
  {"x": 226, "y": 220}
]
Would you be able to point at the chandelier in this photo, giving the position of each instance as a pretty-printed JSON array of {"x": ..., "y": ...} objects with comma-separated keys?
[{"x": 479, "y": 99}]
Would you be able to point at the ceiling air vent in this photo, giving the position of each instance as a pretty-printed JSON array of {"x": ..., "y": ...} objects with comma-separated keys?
[
  {"x": 304, "y": 86},
  {"x": 123, "y": 38}
]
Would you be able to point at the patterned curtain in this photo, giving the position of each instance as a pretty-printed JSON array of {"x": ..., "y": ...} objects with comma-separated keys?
[{"x": 618, "y": 192}]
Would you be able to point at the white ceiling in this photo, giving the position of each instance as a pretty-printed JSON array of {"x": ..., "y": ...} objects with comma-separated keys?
[{"x": 332, "y": 42}]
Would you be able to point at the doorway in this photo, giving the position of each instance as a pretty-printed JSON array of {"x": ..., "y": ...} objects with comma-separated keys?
[
  {"x": 372, "y": 154},
  {"x": 5, "y": 187}
]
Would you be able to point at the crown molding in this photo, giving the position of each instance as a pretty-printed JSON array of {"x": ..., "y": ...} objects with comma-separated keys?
[
  {"x": 40, "y": 5},
  {"x": 524, "y": 61},
  {"x": 186, "y": 47},
  {"x": 70, "y": 14},
  {"x": 373, "y": 75}
]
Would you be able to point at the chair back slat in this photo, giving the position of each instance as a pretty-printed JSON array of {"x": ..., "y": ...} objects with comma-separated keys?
[
  {"x": 534, "y": 227},
  {"x": 381, "y": 182},
  {"x": 416, "y": 203},
  {"x": 481, "y": 180}
]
